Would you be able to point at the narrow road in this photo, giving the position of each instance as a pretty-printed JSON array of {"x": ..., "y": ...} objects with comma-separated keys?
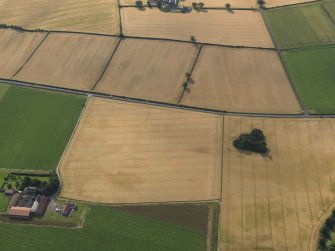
[{"x": 160, "y": 104}]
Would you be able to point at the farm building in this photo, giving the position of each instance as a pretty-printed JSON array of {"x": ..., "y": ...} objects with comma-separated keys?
[
  {"x": 69, "y": 207},
  {"x": 42, "y": 204},
  {"x": 9, "y": 192},
  {"x": 19, "y": 212}
]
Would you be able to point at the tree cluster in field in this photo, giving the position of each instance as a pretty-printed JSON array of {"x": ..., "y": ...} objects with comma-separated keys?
[
  {"x": 254, "y": 141},
  {"x": 17, "y": 28},
  {"x": 199, "y": 5},
  {"x": 327, "y": 236},
  {"x": 47, "y": 188}
]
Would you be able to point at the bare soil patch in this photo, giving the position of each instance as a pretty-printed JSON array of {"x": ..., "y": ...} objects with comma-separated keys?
[
  {"x": 152, "y": 70},
  {"x": 240, "y": 80},
  {"x": 130, "y": 153},
  {"x": 211, "y": 26},
  {"x": 69, "y": 60}
]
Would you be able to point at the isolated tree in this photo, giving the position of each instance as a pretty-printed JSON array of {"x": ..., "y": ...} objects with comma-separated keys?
[
  {"x": 201, "y": 5},
  {"x": 139, "y": 4},
  {"x": 195, "y": 5},
  {"x": 188, "y": 75},
  {"x": 228, "y": 5},
  {"x": 261, "y": 2},
  {"x": 185, "y": 85},
  {"x": 193, "y": 39}
]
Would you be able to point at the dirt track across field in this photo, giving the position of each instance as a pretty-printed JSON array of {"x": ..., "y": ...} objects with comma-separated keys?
[
  {"x": 69, "y": 60},
  {"x": 240, "y": 80},
  {"x": 244, "y": 28},
  {"x": 98, "y": 16},
  {"x": 274, "y": 202},
  {"x": 130, "y": 153},
  {"x": 146, "y": 69},
  {"x": 15, "y": 49}
]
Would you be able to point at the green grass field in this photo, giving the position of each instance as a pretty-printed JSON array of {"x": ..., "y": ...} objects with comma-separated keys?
[
  {"x": 299, "y": 26},
  {"x": 104, "y": 229},
  {"x": 3, "y": 90},
  {"x": 313, "y": 73},
  {"x": 35, "y": 127},
  {"x": 330, "y": 7}
]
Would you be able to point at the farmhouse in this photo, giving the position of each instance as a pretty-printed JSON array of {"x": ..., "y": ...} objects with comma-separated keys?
[
  {"x": 40, "y": 205},
  {"x": 69, "y": 207},
  {"x": 19, "y": 212}
]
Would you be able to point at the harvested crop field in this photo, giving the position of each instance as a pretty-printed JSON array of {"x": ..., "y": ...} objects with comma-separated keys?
[
  {"x": 15, "y": 49},
  {"x": 242, "y": 27},
  {"x": 128, "y": 153},
  {"x": 231, "y": 80},
  {"x": 35, "y": 127},
  {"x": 313, "y": 74},
  {"x": 69, "y": 60},
  {"x": 302, "y": 25},
  {"x": 146, "y": 69},
  {"x": 275, "y": 3},
  {"x": 275, "y": 201},
  {"x": 98, "y": 16}
]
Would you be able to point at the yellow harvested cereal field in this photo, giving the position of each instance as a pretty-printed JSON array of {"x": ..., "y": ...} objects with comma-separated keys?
[
  {"x": 275, "y": 202},
  {"x": 139, "y": 153},
  {"x": 146, "y": 69},
  {"x": 69, "y": 60},
  {"x": 240, "y": 80},
  {"x": 242, "y": 27}
]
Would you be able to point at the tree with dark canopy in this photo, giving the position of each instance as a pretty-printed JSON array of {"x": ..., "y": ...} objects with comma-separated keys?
[{"x": 255, "y": 141}]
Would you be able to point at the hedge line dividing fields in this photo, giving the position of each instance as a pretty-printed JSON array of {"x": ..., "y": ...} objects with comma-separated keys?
[
  {"x": 35, "y": 127},
  {"x": 312, "y": 71}
]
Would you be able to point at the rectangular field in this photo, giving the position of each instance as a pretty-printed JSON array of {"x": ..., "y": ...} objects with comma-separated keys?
[
  {"x": 240, "y": 80},
  {"x": 98, "y": 16},
  {"x": 69, "y": 60},
  {"x": 146, "y": 69},
  {"x": 313, "y": 74},
  {"x": 105, "y": 229},
  {"x": 275, "y": 3},
  {"x": 274, "y": 202},
  {"x": 35, "y": 127},
  {"x": 135, "y": 153},
  {"x": 299, "y": 26},
  {"x": 15, "y": 49},
  {"x": 242, "y": 27}
]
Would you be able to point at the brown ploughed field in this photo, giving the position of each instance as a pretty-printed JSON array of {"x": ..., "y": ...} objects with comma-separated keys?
[
  {"x": 69, "y": 60},
  {"x": 98, "y": 16},
  {"x": 131, "y": 153},
  {"x": 242, "y": 27},
  {"x": 240, "y": 80},
  {"x": 15, "y": 49},
  {"x": 146, "y": 69},
  {"x": 275, "y": 202}
]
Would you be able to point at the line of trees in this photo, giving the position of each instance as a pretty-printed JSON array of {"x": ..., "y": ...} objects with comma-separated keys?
[{"x": 18, "y": 28}]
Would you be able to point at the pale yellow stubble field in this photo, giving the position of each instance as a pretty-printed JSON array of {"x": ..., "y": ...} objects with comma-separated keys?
[
  {"x": 275, "y": 202},
  {"x": 131, "y": 153}
]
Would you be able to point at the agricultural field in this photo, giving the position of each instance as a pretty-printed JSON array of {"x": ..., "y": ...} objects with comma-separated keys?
[
  {"x": 301, "y": 26},
  {"x": 69, "y": 60},
  {"x": 105, "y": 229},
  {"x": 219, "y": 84},
  {"x": 131, "y": 153},
  {"x": 35, "y": 127},
  {"x": 313, "y": 74},
  {"x": 330, "y": 8},
  {"x": 152, "y": 70},
  {"x": 275, "y": 3},
  {"x": 275, "y": 201},
  {"x": 98, "y": 16},
  {"x": 15, "y": 49},
  {"x": 242, "y": 27}
]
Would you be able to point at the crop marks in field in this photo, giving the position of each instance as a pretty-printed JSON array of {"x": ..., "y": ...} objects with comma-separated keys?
[
  {"x": 244, "y": 28},
  {"x": 240, "y": 80},
  {"x": 69, "y": 60},
  {"x": 330, "y": 8},
  {"x": 128, "y": 153},
  {"x": 98, "y": 16},
  {"x": 275, "y": 201},
  {"x": 275, "y": 3},
  {"x": 15, "y": 49},
  {"x": 313, "y": 74},
  {"x": 152, "y": 70},
  {"x": 300, "y": 26},
  {"x": 35, "y": 127}
]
